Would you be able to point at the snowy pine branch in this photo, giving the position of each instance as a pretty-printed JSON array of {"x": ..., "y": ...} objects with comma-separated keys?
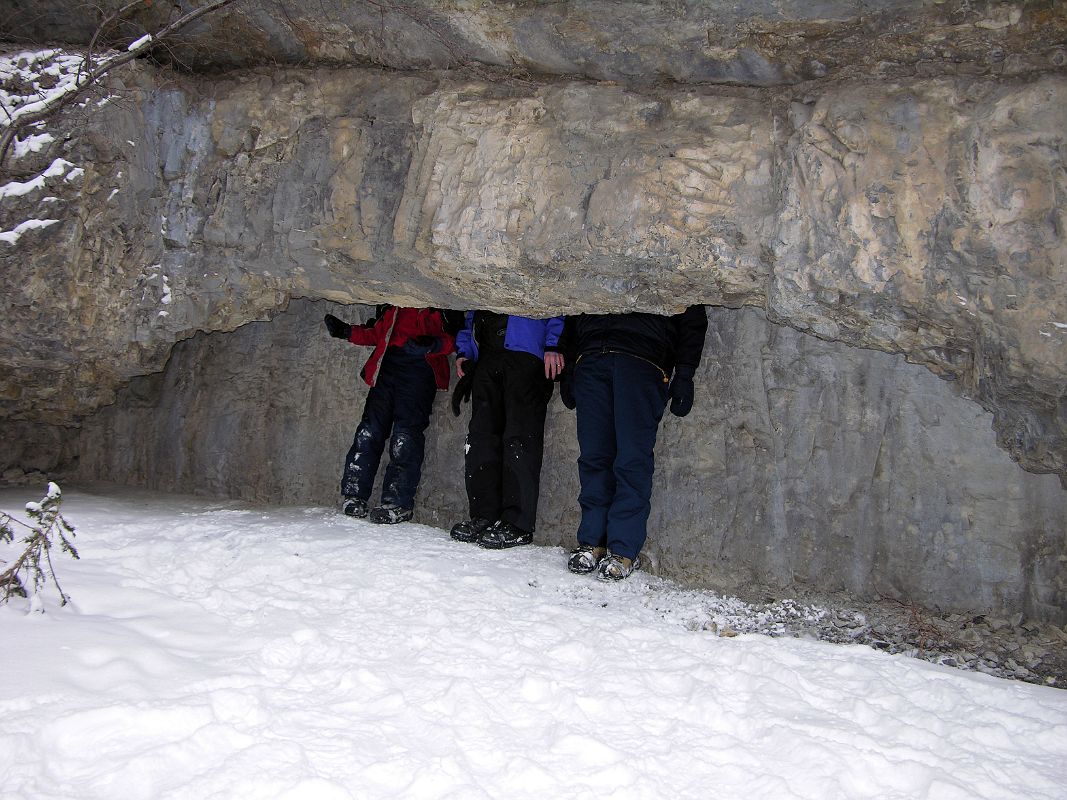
[{"x": 33, "y": 569}]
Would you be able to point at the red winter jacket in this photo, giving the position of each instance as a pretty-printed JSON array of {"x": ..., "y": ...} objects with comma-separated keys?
[{"x": 394, "y": 327}]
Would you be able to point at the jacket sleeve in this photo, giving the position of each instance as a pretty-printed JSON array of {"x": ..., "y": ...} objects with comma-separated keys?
[
  {"x": 553, "y": 334},
  {"x": 568, "y": 340},
  {"x": 690, "y": 328},
  {"x": 371, "y": 331},
  {"x": 465, "y": 345}
]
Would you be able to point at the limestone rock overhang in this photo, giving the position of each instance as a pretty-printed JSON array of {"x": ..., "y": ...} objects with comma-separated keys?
[{"x": 890, "y": 175}]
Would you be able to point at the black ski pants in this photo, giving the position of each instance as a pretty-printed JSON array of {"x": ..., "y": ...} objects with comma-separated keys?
[
  {"x": 397, "y": 409},
  {"x": 505, "y": 440}
]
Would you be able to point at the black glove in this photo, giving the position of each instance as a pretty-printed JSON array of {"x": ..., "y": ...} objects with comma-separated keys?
[
  {"x": 681, "y": 392},
  {"x": 566, "y": 391},
  {"x": 464, "y": 386},
  {"x": 421, "y": 345},
  {"x": 337, "y": 329}
]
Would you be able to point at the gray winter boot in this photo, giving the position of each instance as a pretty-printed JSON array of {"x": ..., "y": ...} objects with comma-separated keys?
[
  {"x": 615, "y": 568},
  {"x": 585, "y": 558}
]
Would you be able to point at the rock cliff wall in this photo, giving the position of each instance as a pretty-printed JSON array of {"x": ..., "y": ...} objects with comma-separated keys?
[
  {"x": 756, "y": 43},
  {"x": 924, "y": 218},
  {"x": 870, "y": 196},
  {"x": 804, "y": 464}
]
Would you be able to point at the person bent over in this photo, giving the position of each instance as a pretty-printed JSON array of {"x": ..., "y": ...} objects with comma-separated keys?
[
  {"x": 408, "y": 365},
  {"x": 620, "y": 379},
  {"x": 510, "y": 363}
]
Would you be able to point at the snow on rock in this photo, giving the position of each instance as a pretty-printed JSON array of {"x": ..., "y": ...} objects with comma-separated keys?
[
  {"x": 155, "y": 279},
  {"x": 12, "y": 236},
  {"x": 33, "y": 143},
  {"x": 58, "y": 168},
  {"x": 215, "y": 650},
  {"x": 30, "y": 80}
]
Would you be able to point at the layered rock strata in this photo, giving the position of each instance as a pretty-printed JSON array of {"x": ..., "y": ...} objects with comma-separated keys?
[
  {"x": 761, "y": 43},
  {"x": 917, "y": 217}
]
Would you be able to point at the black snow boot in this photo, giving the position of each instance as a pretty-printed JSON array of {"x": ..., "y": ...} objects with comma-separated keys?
[
  {"x": 389, "y": 514},
  {"x": 354, "y": 507},
  {"x": 503, "y": 534},
  {"x": 471, "y": 530}
]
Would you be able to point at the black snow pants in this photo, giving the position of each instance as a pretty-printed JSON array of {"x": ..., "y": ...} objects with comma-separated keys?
[
  {"x": 505, "y": 440},
  {"x": 399, "y": 403}
]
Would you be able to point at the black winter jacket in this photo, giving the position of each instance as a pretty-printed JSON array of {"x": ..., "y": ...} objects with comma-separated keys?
[{"x": 674, "y": 342}]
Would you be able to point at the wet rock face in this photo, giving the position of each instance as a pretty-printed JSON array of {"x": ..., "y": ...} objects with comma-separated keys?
[
  {"x": 804, "y": 466},
  {"x": 922, "y": 217}
]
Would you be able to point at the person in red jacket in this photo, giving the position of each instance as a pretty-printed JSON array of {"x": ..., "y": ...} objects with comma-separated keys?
[{"x": 408, "y": 365}]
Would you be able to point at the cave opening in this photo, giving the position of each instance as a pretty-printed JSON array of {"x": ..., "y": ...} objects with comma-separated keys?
[{"x": 806, "y": 465}]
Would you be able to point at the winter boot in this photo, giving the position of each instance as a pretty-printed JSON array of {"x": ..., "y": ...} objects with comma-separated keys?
[
  {"x": 615, "y": 568},
  {"x": 503, "y": 534},
  {"x": 585, "y": 558},
  {"x": 471, "y": 530},
  {"x": 389, "y": 514},
  {"x": 354, "y": 507}
]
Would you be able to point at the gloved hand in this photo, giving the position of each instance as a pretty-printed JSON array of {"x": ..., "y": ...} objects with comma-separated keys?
[
  {"x": 566, "y": 391},
  {"x": 464, "y": 386},
  {"x": 421, "y": 345},
  {"x": 337, "y": 328},
  {"x": 681, "y": 391}
]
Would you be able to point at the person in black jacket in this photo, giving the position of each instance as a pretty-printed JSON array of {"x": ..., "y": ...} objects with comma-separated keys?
[{"x": 620, "y": 380}]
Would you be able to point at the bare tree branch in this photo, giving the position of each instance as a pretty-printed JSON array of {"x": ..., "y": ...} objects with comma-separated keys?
[
  {"x": 104, "y": 25},
  {"x": 93, "y": 73}
]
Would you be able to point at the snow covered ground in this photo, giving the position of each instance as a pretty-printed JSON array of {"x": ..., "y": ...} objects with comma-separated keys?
[{"x": 214, "y": 650}]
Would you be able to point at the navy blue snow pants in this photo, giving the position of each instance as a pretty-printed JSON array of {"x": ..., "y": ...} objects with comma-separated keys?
[
  {"x": 620, "y": 401},
  {"x": 399, "y": 403}
]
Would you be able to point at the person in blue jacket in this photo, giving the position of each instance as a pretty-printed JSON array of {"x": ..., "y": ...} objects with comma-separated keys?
[{"x": 517, "y": 359}]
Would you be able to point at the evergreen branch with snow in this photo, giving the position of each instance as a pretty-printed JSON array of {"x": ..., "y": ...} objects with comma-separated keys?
[{"x": 34, "y": 568}]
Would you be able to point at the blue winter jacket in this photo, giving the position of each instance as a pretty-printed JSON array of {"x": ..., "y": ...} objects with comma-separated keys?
[{"x": 532, "y": 336}]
